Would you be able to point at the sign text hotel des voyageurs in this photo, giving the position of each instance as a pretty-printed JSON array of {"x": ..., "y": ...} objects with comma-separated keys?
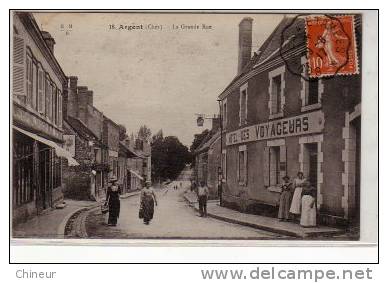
[{"x": 307, "y": 123}]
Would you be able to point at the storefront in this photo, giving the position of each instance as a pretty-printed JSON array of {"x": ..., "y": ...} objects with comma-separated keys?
[{"x": 37, "y": 173}]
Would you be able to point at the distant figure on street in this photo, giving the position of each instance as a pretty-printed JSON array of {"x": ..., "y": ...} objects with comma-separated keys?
[
  {"x": 308, "y": 216},
  {"x": 180, "y": 185},
  {"x": 147, "y": 202},
  {"x": 203, "y": 193},
  {"x": 285, "y": 199},
  {"x": 113, "y": 201}
]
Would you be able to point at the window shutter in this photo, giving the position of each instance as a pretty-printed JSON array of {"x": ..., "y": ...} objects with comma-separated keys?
[
  {"x": 60, "y": 108},
  {"x": 283, "y": 160},
  {"x": 266, "y": 166},
  {"x": 19, "y": 53},
  {"x": 40, "y": 91}
]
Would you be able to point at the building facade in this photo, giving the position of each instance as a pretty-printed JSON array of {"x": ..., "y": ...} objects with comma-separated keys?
[
  {"x": 110, "y": 137},
  {"x": 83, "y": 133},
  {"x": 277, "y": 122},
  {"x": 38, "y": 85}
]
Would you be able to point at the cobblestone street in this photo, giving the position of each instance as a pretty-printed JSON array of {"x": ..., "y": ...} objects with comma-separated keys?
[{"x": 173, "y": 219}]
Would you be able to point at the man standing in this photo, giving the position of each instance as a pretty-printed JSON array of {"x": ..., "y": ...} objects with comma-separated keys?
[{"x": 203, "y": 193}]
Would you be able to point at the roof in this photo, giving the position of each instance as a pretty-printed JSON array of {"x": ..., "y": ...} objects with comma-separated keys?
[
  {"x": 279, "y": 40},
  {"x": 208, "y": 141},
  {"x": 127, "y": 150},
  {"x": 82, "y": 130}
]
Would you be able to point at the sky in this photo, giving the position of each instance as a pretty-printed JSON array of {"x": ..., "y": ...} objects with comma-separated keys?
[{"x": 155, "y": 77}]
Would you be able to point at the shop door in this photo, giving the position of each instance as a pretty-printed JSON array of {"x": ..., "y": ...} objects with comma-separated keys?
[{"x": 313, "y": 164}]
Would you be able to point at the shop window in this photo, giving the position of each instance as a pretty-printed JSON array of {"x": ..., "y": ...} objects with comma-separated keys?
[
  {"x": 23, "y": 191},
  {"x": 243, "y": 104},
  {"x": 242, "y": 165}
]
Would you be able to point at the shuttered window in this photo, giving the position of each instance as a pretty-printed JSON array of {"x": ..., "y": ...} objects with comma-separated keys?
[
  {"x": 48, "y": 90},
  {"x": 60, "y": 108},
  {"x": 29, "y": 78},
  {"x": 41, "y": 96},
  {"x": 18, "y": 68},
  {"x": 34, "y": 96}
]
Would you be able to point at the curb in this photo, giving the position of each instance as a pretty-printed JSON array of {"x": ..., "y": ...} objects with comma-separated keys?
[
  {"x": 266, "y": 228},
  {"x": 62, "y": 226}
]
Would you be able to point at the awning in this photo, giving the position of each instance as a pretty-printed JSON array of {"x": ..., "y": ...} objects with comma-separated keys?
[
  {"x": 136, "y": 174},
  {"x": 58, "y": 150}
]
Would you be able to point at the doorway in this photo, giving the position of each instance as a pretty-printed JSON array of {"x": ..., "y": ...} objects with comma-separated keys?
[{"x": 312, "y": 150}]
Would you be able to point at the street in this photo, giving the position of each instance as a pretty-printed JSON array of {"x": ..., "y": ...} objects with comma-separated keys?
[{"x": 173, "y": 218}]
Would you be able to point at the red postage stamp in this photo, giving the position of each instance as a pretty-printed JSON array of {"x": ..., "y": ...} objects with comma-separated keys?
[{"x": 331, "y": 45}]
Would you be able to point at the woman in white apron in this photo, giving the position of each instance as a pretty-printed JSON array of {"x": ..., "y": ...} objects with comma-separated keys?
[
  {"x": 308, "y": 217},
  {"x": 299, "y": 183}
]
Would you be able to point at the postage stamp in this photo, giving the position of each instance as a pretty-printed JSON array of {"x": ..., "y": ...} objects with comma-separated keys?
[{"x": 331, "y": 45}]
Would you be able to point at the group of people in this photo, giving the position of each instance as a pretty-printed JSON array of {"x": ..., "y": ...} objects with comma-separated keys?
[
  {"x": 147, "y": 202},
  {"x": 298, "y": 201}
]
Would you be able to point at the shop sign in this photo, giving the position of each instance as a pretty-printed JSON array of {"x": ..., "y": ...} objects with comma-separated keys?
[{"x": 307, "y": 123}]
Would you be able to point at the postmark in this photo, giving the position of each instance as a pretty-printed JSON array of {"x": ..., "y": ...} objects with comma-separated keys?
[{"x": 331, "y": 45}]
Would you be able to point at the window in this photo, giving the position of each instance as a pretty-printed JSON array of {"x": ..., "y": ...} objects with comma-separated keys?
[
  {"x": 274, "y": 163},
  {"x": 312, "y": 97},
  {"x": 54, "y": 103},
  {"x": 224, "y": 164},
  {"x": 48, "y": 97},
  {"x": 41, "y": 95},
  {"x": 18, "y": 68},
  {"x": 243, "y": 104},
  {"x": 242, "y": 165},
  {"x": 34, "y": 97},
  {"x": 276, "y": 92},
  {"x": 57, "y": 182},
  {"x": 29, "y": 78},
  {"x": 23, "y": 168},
  {"x": 312, "y": 89},
  {"x": 60, "y": 118}
]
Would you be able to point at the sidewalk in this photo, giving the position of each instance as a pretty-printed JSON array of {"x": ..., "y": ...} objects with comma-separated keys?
[
  {"x": 51, "y": 223},
  {"x": 262, "y": 222}
]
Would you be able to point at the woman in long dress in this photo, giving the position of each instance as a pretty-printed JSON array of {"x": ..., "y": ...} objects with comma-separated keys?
[
  {"x": 147, "y": 202},
  {"x": 285, "y": 199},
  {"x": 308, "y": 217},
  {"x": 299, "y": 183},
  {"x": 113, "y": 200}
]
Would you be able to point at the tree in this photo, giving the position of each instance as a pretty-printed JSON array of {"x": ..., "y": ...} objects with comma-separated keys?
[
  {"x": 144, "y": 133},
  {"x": 169, "y": 157}
]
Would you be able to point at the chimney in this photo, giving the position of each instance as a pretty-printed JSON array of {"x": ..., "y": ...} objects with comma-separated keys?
[
  {"x": 83, "y": 103},
  {"x": 49, "y": 40},
  {"x": 244, "y": 43},
  {"x": 72, "y": 97},
  {"x": 90, "y": 96}
]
